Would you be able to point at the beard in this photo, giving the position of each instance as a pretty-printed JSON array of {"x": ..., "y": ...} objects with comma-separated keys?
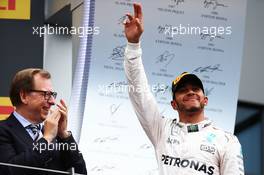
[{"x": 193, "y": 109}]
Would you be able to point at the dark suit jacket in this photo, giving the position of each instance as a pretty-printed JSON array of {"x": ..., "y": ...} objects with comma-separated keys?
[{"x": 17, "y": 147}]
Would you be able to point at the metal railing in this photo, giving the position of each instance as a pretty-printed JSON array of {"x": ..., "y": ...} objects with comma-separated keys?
[{"x": 71, "y": 171}]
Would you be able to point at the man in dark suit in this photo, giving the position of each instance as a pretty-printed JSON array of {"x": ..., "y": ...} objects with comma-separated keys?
[{"x": 34, "y": 134}]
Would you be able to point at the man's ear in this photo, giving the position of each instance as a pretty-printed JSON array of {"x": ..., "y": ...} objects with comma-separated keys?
[
  {"x": 174, "y": 105},
  {"x": 23, "y": 97},
  {"x": 205, "y": 100}
]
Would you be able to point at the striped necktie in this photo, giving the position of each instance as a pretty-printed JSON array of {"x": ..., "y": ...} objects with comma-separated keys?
[{"x": 35, "y": 130}]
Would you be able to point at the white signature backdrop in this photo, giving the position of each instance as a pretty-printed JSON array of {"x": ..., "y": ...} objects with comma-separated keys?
[{"x": 112, "y": 139}]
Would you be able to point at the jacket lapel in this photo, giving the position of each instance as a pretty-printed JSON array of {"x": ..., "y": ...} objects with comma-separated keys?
[{"x": 19, "y": 130}]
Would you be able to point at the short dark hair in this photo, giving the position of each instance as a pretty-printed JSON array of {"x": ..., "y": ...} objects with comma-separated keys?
[{"x": 24, "y": 81}]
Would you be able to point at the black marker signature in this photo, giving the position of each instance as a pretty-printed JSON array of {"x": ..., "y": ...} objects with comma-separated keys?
[
  {"x": 160, "y": 88},
  {"x": 102, "y": 168},
  {"x": 161, "y": 29},
  {"x": 210, "y": 68},
  {"x": 145, "y": 146},
  {"x": 114, "y": 108},
  {"x": 213, "y": 3},
  {"x": 117, "y": 84},
  {"x": 166, "y": 57},
  {"x": 210, "y": 36},
  {"x": 118, "y": 53},
  {"x": 208, "y": 91},
  {"x": 166, "y": 29},
  {"x": 177, "y": 2},
  {"x": 105, "y": 139},
  {"x": 117, "y": 87}
]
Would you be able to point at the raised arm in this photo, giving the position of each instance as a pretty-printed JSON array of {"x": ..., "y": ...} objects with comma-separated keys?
[{"x": 141, "y": 98}]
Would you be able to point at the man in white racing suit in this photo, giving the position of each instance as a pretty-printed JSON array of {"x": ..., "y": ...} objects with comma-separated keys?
[{"x": 192, "y": 145}]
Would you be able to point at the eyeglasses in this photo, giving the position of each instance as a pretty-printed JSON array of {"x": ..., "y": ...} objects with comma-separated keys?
[{"x": 47, "y": 94}]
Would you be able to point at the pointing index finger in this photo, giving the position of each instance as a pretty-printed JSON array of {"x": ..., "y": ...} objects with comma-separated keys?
[{"x": 138, "y": 10}]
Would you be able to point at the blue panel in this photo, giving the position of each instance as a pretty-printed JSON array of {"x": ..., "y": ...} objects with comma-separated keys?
[{"x": 250, "y": 140}]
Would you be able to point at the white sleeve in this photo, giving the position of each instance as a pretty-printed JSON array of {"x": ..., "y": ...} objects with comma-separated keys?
[
  {"x": 141, "y": 98},
  {"x": 232, "y": 160}
]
